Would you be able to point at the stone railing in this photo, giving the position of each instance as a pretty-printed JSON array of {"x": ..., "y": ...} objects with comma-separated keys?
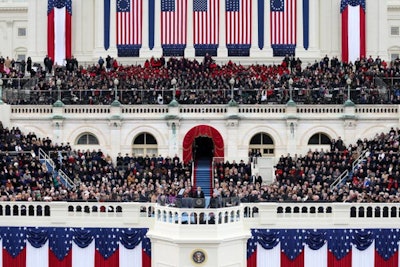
[
  {"x": 155, "y": 110},
  {"x": 198, "y": 216},
  {"x": 252, "y": 215}
]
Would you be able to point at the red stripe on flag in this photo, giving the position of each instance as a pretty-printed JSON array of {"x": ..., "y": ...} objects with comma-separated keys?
[
  {"x": 297, "y": 262},
  {"x": 252, "y": 260},
  {"x": 345, "y": 34},
  {"x": 55, "y": 262},
  {"x": 50, "y": 34},
  {"x": 363, "y": 52},
  {"x": 343, "y": 262},
  {"x": 18, "y": 261},
  {"x": 146, "y": 259},
  {"x": 112, "y": 261},
  {"x": 392, "y": 262},
  {"x": 68, "y": 35}
]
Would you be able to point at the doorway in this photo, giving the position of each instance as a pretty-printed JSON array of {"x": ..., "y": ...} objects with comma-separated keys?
[{"x": 203, "y": 148}]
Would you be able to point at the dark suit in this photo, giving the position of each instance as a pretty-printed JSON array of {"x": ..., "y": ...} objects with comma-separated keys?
[{"x": 198, "y": 194}]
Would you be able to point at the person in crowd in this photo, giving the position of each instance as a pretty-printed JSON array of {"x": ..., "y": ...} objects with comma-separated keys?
[{"x": 205, "y": 82}]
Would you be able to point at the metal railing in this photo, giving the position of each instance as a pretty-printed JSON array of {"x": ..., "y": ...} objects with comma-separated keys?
[
  {"x": 346, "y": 173},
  {"x": 64, "y": 177},
  {"x": 19, "y": 92}
]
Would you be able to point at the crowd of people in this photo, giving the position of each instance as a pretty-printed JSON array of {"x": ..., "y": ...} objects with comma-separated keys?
[
  {"x": 201, "y": 82},
  {"x": 135, "y": 178}
]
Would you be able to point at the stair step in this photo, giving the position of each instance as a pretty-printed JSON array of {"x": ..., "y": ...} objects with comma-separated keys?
[{"x": 203, "y": 176}]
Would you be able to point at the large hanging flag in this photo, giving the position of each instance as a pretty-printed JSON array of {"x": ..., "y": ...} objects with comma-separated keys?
[
  {"x": 59, "y": 30},
  {"x": 107, "y": 17},
  {"x": 323, "y": 248},
  {"x": 283, "y": 18},
  {"x": 206, "y": 25},
  {"x": 353, "y": 30},
  {"x": 129, "y": 27},
  {"x": 306, "y": 24},
  {"x": 260, "y": 20},
  {"x": 238, "y": 27},
  {"x": 173, "y": 26},
  {"x": 152, "y": 11},
  {"x": 78, "y": 247}
]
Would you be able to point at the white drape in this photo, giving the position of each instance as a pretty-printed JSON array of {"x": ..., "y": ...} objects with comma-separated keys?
[
  {"x": 316, "y": 258},
  {"x": 364, "y": 258},
  {"x": 59, "y": 35},
  {"x": 354, "y": 34},
  {"x": 268, "y": 257},
  {"x": 37, "y": 257},
  {"x": 130, "y": 257},
  {"x": 83, "y": 257}
]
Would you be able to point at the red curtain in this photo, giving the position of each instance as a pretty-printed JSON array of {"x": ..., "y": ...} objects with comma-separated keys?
[{"x": 205, "y": 131}]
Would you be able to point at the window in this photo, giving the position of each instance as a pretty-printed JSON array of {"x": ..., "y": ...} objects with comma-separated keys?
[
  {"x": 394, "y": 56},
  {"x": 21, "y": 32},
  {"x": 319, "y": 139},
  {"x": 87, "y": 139},
  {"x": 21, "y": 57},
  {"x": 262, "y": 142},
  {"x": 394, "y": 30},
  {"x": 145, "y": 144}
]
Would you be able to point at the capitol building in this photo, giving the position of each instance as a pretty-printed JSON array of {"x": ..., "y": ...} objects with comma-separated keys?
[{"x": 310, "y": 234}]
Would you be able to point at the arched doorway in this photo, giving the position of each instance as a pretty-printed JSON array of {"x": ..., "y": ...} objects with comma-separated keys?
[
  {"x": 203, "y": 148},
  {"x": 211, "y": 141}
]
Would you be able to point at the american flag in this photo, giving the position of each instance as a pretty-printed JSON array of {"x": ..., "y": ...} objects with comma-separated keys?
[
  {"x": 206, "y": 22},
  {"x": 238, "y": 22},
  {"x": 283, "y": 22},
  {"x": 59, "y": 30},
  {"x": 89, "y": 247},
  {"x": 323, "y": 247},
  {"x": 353, "y": 13},
  {"x": 129, "y": 22},
  {"x": 173, "y": 22}
]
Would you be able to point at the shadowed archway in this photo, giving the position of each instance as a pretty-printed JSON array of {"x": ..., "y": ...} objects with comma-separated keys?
[{"x": 202, "y": 131}]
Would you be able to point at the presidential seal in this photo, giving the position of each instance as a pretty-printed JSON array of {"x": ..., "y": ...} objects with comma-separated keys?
[{"x": 198, "y": 256}]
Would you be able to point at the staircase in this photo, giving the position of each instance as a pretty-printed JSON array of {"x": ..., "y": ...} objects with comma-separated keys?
[
  {"x": 349, "y": 174},
  {"x": 65, "y": 180},
  {"x": 203, "y": 176}
]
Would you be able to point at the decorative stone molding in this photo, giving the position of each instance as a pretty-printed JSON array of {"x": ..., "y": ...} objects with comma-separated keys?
[{"x": 232, "y": 123}]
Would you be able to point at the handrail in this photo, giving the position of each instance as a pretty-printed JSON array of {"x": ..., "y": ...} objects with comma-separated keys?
[
  {"x": 345, "y": 174},
  {"x": 43, "y": 155},
  {"x": 339, "y": 179},
  {"x": 77, "y": 96},
  {"x": 192, "y": 175}
]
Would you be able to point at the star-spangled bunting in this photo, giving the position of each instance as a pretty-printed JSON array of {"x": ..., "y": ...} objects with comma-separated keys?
[
  {"x": 60, "y": 249},
  {"x": 340, "y": 243},
  {"x": 345, "y": 3},
  {"x": 292, "y": 242},
  {"x": 14, "y": 240},
  {"x": 107, "y": 241}
]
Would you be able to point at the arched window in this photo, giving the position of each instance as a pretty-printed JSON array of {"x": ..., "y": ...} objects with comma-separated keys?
[
  {"x": 87, "y": 139},
  {"x": 262, "y": 142},
  {"x": 319, "y": 139},
  {"x": 145, "y": 144}
]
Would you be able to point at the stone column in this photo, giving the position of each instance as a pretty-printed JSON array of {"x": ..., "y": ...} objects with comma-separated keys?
[
  {"x": 314, "y": 28},
  {"x": 254, "y": 49},
  {"x": 145, "y": 50},
  {"x": 222, "y": 50},
  {"x": 112, "y": 51},
  {"x": 157, "y": 50},
  {"x": 189, "y": 51},
  {"x": 99, "y": 38},
  {"x": 267, "y": 50}
]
